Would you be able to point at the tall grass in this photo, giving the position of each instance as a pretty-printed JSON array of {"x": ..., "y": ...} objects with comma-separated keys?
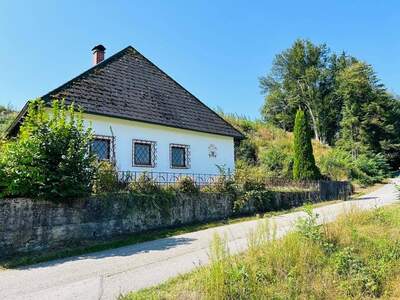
[{"x": 356, "y": 257}]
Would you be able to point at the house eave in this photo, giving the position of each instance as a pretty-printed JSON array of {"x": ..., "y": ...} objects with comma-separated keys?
[{"x": 14, "y": 127}]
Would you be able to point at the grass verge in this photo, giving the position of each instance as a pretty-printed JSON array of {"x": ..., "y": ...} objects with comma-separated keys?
[
  {"x": 363, "y": 190},
  {"x": 355, "y": 257},
  {"x": 90, "y": 246}
]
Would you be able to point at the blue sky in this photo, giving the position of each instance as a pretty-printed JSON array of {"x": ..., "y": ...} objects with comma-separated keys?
[{"x": 216, "y": 49}]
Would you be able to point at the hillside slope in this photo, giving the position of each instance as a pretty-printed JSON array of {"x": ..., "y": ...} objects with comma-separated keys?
[{"x": 267, "y": 151}]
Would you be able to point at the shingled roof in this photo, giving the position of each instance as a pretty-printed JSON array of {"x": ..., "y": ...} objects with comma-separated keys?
[{"x": 129, "y": 86}]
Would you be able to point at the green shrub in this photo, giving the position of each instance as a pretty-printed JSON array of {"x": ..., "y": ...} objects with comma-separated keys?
[
  {"x": 336, "y": 164},
  {"x": 186, "y": 185},
  {"x": 277, "y": 161},
  {"x": 224, "y": 183},
  {"x": 366, "y": 169},
  {"x": 358, "y": 276},
  {"x": 144, "y": 185},
  {"x": 247, "y": 151},
  {"x": 252, "y": 191},
  {"x": 245, "y": 172},
  {"x": 370, "y": 168},
  {"x": 106, "y": 180},
  {"x": 49, "y": 159},
  {"x": 304, "y": 163}
]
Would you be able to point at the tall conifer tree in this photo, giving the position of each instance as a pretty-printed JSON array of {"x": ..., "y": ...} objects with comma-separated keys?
[{"x": 304, "y": 162}]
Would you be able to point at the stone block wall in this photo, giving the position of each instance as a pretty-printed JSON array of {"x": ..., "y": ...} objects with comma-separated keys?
[{"x": 27, "y": 225}]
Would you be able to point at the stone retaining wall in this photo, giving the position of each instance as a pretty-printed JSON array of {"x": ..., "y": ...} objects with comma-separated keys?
[{"x": 27, "y": 225}]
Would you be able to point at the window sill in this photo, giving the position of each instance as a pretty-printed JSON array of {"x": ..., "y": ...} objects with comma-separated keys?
[
  {"x": 179, "y": 167},
  {"x": 144, "y": 166}
]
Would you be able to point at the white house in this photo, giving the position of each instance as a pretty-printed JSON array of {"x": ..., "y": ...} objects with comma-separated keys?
[{"x": 143, "y": 119}]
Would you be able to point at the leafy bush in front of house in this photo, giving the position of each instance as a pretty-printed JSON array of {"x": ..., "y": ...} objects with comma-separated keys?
[
  {"x": 144, "y": 185},
  {"x": 150, "y": 194},
  {"x": 186, "y": 185},
  {"x": 223, "y": 183},
  {"x": 253, "y": 192},
  {"x": 106, "y": 179},
  {"x": 50, "y": 157}
]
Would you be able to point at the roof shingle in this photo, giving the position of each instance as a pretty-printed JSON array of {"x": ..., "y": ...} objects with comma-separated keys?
[{"x": 129, "y": 86}]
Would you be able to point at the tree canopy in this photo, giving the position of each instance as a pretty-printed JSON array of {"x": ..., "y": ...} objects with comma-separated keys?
[{"x": 342, "y": 97}]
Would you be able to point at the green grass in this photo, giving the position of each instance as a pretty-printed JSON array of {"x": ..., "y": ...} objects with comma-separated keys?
[
  {"x": 90, "y": 246},
  {"x": 356, "y": 257}
]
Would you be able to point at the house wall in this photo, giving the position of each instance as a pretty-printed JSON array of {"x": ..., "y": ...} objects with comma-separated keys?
[{"x": 200, "y": 162}]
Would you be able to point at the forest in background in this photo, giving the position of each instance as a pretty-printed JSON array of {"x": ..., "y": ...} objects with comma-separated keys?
[{"x": 354, "y": 120}]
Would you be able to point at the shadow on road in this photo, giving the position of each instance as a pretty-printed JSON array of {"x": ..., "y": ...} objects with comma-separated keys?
[{"x": 157, "y": 245}]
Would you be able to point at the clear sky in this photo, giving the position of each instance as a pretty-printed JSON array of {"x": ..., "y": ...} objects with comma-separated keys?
[{"x": 216, "y": 49}]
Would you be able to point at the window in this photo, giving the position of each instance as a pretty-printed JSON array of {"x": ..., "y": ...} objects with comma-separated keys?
[
  {"x": 144, "y": 153},
  {"x": 101, "y": 147},
  {"x": 179, "y": 156}
]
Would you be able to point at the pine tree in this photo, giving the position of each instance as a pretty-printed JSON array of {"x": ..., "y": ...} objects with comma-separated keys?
[{"x": 304, "y": 162}]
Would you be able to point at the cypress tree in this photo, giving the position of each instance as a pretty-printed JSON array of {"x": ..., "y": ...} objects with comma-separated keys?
[{"x": 304, "y": 162}]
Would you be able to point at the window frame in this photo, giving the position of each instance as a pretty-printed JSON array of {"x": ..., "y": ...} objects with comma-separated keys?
[
  {"x": 186, "y": 156},
  {"x": 110, "y": 140},
  {"x": 153, "y": 151}
]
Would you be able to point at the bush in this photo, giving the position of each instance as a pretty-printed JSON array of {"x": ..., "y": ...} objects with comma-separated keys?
[
  {"x": 224, "y": 183},
  {"x": 366, "y": 169},
  {"x": 247, "y": 151},
  {"x": 144, "y": 185},
  {"x": 106, "y": 180},
  {"x": 49, "y": 159},
  {"x": 304, "y": 162},
  {"x": 244, "y": 172},
  {"x": 336, "y": 164},
  {"x": 370, "y": 168},
  {"x": 277, "y": 161},
  {"x": 186, "y": 185},
  {"x": 252, "y": 191}
]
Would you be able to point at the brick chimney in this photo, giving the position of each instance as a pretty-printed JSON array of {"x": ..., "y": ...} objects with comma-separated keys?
[{"x": 98, "y": 54}]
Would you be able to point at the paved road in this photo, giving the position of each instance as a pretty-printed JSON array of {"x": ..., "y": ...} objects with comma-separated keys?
[{"x": 106, "y": 274}]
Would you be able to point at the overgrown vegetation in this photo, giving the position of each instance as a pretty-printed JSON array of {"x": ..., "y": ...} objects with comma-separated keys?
[
  {"x": 356, "y": 257},
  {"x": 106, "y": 178},
  {"x": 346, "y": 104},
  {"x": 50, "y": 157},
  {"x": 268, "y": 152}
]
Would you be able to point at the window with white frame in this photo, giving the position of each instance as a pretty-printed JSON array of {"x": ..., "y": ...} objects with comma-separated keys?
[
  {"x": 144, "y": 153},
  {"x": 179, "y": 156},
  {"x": 102, "y": 147}
]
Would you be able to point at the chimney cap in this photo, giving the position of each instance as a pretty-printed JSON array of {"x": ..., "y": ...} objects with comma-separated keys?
[{"x": 99, "y": 48}]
